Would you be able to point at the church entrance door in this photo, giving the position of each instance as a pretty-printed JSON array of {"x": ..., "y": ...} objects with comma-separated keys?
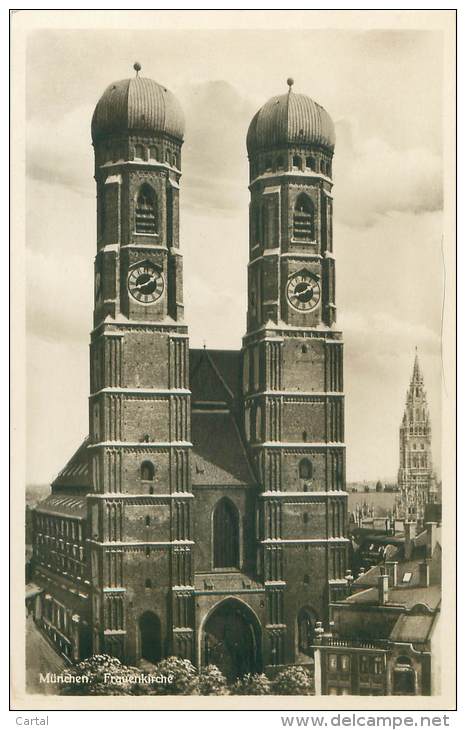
[
  {"x": 151, "y": 643},
  {"x": 231, "y": 640}
]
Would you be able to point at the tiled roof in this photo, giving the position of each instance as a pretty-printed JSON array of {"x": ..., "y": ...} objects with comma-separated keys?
[
  {"x": 413, "y": 628},
  {"x": 76, "y": 472},
  {"x": 218, "y": 457},
  {"x": 64, "y": 505},
  {"x": 406, "y": 597},
  {"x": 138, "y": 104},
  {"x": 290, "y": 119},
  {"x": 215, "y": 375}
]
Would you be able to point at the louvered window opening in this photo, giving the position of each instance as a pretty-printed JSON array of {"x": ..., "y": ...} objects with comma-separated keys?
[
  {"x": 146, "y": 219},
  {"x": 303, "y": 225}
]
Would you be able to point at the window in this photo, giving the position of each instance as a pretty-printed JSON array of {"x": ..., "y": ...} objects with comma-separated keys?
[
  {"x": 225, "y": 535},
  {"x": 344, "y": 662},
  {"x": 139, "y": 152},
  {"x": 305, "y": 467},
  {"x": 268, "y": 164},
  {"x": 322, "y": 166},
  {"x": 306, "y": 626},
  {"x": 304, "y": 349},
  {"x": 280, "y": 163},
  {"x": 332, "y": 662},
  {"x": 304, "y": 435},
  {"x": 306, "y": 579},
  {"x": 147, "y": 520},
  {"x": 296, "y": 162},
  {"x": 364, "y": 664},
  {"x": 303, "y": 219},
  {"x": 148, "y": 583},
  {"x": 153, "y": 153},
  {"x": 378, "y": 665},
  {"x": 305, "y": 517},
  {"x": 310, "y": 163},
  {"x": 404, "y": 677},
  {"x": 146, "y": 211},
  {"x": 147, "y": 471},
  {"x": 151, "y": 490}
]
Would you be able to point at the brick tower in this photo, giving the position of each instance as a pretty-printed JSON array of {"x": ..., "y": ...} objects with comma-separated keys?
[
  {"x": 293, "y": 370},
  {"x": 139, "y": 407},
  {"x": 416, "y": 479}
]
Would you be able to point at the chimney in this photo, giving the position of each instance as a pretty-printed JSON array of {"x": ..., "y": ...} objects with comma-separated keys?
[
  {"x": 382, "y": 582},
  {"x": 392, "y": 570},
  {"x": 424, "y": 574},
  {"x": 431, "y": 538},
  {"x": 410, "y": 534}
]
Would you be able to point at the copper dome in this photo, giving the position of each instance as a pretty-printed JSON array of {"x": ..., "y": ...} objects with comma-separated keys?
[
  {"x": 140, "y": 105},
  {"x": 290, "y": 119}
]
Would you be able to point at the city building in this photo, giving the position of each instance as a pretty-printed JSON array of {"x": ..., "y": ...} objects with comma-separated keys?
[
  {"x": 416, "y": 478},
  {"x": 385, "y": 636},
  {"x": 205, "y": 515}
]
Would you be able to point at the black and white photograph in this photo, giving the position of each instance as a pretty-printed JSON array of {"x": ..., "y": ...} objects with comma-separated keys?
[{"x": 238, "y": 275}]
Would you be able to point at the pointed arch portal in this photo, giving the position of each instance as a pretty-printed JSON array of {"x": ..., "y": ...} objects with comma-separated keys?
[
  {"x": 151, "y": 637},
  {"x": 232, "y": 639}
]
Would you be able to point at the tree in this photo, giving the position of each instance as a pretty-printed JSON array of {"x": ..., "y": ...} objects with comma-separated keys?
[
  {"x": 185, "y": 679},
  {"x": 102, "y": 674},
  {"x": 212, "y": 681},
  {"x": 251, "y": 684},
  {"x": 293, "y": 681},
  {"x": 379, "y": 486}
]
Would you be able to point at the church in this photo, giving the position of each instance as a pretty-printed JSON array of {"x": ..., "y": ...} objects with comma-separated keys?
[{"x": 205, "y": 515}]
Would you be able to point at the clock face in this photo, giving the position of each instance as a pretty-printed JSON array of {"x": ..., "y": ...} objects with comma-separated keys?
[
  {"x": 145, "y": 283},
  {"x": 303, "y": 292}
]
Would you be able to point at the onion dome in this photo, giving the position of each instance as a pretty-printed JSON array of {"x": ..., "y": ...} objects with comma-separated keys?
[
  {"x": 290, "y": 119},
  {"x": 137, "y": 106}
]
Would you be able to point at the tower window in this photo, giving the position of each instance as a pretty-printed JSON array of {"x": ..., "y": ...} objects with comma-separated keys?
[
  {"x": 296, "y": 162},
  {"x": 304, "y": 349},
  {"x": 305, "y": 469},
  {"x": 310, "y": 163},
  {"x": 304, "y": 435},
  {"x": 322, "y": 166},
  {"x": 306, "y": 579},
  {"x": 146, "y": 211},
  {"x": 303, "y": 219},
  {"x": 154, "y": 153},
  {"x": 147, "y": 471},
  {"x": 305, "y": 517},
  {"x": 280, "y": 163},
  {"x": 226, "y": 535},
  {"x": 148, "y": 583},
  {"x": 268, "y": 164},
  {"x": 147, "y": 520},
  {"x": 139, "y": 152}
]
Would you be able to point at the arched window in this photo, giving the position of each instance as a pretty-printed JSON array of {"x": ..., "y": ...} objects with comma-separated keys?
[
  {"x": 139, "y": 152},
  {"x": 304, "y": 349},
  {"x": 303, "y": 219},
  {"x": 304, "y": 435},
  {"x": 146, "y": 211},
  {"x": 225, "y": 535},
  {"x": 322, "y": 166},
  {"x": 148, "y": 583},
  {"x": 305, "y": 469},
  {"x": 296, "y": 162},
  {"x": 147, "y": 471},
  {"x": 404, "y": 677},
  {"x": 147, "y": 520},
  {"x": 153, "y": 153},
  {"x": 151, "y": 490},
  {"x": 310, "y": 163},
  {"x": 306, "y": 627}
]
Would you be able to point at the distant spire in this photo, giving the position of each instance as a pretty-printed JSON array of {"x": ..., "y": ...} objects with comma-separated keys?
[
  {"x": 290, "y": 83},
  {"x": 137, "y": 67},
  {"x": 416, "y": 369}
]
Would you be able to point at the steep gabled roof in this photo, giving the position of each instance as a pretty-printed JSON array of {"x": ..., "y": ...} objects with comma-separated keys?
[
  {"x": 76, "y": 472},
  {"x": 64, "y": 505},
  {"x": 214, "y": 375}
]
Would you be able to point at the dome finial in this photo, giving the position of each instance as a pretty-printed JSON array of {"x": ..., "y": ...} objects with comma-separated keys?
[
  {"x": 290, "y": 83},
  {"x": 137, "y": 67}
]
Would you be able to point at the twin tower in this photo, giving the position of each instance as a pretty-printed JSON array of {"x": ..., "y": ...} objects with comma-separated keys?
[{"x": 216, "y": 512}]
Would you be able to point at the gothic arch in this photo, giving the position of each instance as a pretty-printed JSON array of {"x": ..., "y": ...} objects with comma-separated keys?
[
  {"x": 150, "y": 637},
  {"x": 230, "y": 638},
  {"x": 305, "y": 469},
  {"x": 303, "y": 218},
  {"x": 306, "y": 622},
  {"x": 225, "y": 535},
  {"x": 147, "y": 471},
  {"x": 145, "y": 215}
]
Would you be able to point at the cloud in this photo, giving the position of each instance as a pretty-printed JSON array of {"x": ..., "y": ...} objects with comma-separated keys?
[{"x": 374, "y": 178}]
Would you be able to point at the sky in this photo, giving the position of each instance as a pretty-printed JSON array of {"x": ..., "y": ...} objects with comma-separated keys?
[{"x": 383, "y": 90}]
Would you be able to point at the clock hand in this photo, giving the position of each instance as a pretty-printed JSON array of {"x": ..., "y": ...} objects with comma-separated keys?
[{"x": 145, "y": 283}]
